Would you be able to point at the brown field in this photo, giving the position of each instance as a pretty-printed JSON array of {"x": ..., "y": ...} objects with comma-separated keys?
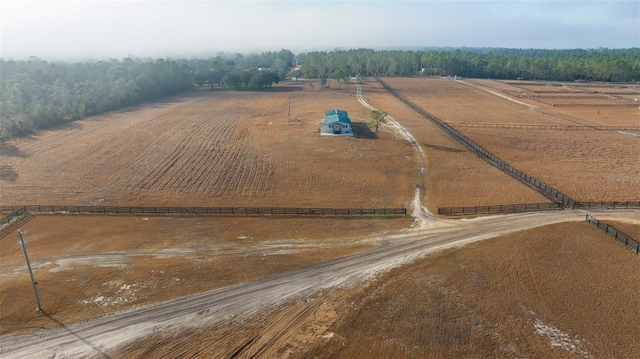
[
  {"x": 453, "y": 176},
  {"x": 547, "y": 295},
  {"x": 593, "y": 116},
  {"x": 585, "y": 165},
  {"x": 595, "y": 103},
  {"x": 534, "y": 300},
  {"x": 88, "y": 266},
  {"x": 243, "y": 149},
  {"x": 212, "y": 149}
]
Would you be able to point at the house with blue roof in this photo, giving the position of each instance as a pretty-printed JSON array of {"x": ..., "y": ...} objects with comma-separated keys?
[{"x": 336, "y": 123}]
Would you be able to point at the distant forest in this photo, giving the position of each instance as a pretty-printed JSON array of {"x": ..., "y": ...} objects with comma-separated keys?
[
  {"x": 621, "y": 65},
  {"x": 36, "y": 94}
]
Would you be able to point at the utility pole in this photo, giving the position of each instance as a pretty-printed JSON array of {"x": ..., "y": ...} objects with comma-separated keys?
[{"x": 33, "y": 281}]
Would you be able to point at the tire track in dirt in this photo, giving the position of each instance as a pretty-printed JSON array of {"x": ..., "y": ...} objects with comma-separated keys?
[
  {"x": 198, "y": 174},
  {"x": 198, "y": 155},
  {"x": 556, "y": 117},
  {"x": 201, "y": 146},
  {"x": 165, "y": 180},
  {"x": 265, "y": 295},
  {"x": 145, "y": 163},
  {"x": 420, "y": 213},
  {"x": 140, "y": 130}
]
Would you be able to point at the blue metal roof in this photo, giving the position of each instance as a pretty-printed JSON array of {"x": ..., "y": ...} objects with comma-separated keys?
[
  {"x": 335, "y": 112},
  {"x": 335, "y": 115}
]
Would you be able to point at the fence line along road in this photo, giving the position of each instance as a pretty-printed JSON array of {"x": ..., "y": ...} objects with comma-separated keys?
[
  {"x": 211, "y": 211},
  {"x": 503, "y": 208},
  {"x": 619, "y": 236},
  {"x": 609, "y": 205},
  {"x": 532, "y": 207},
  {"x": 15, "y": 213}
]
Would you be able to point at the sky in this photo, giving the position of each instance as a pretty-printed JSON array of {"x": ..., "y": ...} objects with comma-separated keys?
[{"x": 74, "y": 30}]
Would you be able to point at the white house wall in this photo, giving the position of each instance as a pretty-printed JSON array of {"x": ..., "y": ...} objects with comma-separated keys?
[{"x": 327, "y": 129}]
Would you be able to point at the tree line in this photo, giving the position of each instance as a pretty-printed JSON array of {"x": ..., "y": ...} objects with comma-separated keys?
[
  {"x": 36, "y": 94},
  {"x": 609, "y": 65}
]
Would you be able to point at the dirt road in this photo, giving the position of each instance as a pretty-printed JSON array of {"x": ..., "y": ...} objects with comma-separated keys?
[{"x": 97, "y": 336}]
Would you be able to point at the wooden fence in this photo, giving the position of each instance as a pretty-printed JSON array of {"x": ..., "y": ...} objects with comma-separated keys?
[
  {"x": 544, "y": 127},
  {"x": 15, "y": 213},
  {"x": 504, "y": 208},
  {"x": 211, "y": 211},
  {"x": 532, "y": 207},
  {"x": 628, "y": 241},
  {"x": 595, "y": 105},
  {"x": 608, "y": 205},
  {"x": 539, "y": 186}
]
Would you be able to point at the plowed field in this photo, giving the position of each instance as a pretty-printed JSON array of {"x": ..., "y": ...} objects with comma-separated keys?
[{"x": 212, "y": 149}]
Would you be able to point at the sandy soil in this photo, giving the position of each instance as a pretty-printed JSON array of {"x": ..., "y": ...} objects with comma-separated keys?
[
  {"x": 589, "y": 115},
  {"x": 452, "y": 176},
  {"x": 92, "y": 265},
  {"x": 218, "y": 148},
  {"x": 594, "y": 165},
  {"x": 517, "y": 306},
  {"x": 212, "y": 149},
  {"x": 560, "y": 291}
]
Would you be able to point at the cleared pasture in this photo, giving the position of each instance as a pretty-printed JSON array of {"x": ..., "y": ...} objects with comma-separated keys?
[
  {"x": 91, "y": 265},
  {"x": 213, "y": 149},
  {"x": 573, "y": 298},
  {"x": 585, "y": 165},
  {"x": 453, "y": 176},
  {"x": 560, "y": 291},
  {"x": 610, "y": 116},
  {"x": 237, "y": 149}
]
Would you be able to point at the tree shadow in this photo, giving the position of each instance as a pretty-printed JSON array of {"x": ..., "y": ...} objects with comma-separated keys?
[
  {"x": 84, "y": 340},
  {"x": 11, "y": 151},
  {"x": 7, "y": 173},
  {"x": 361, "y": 130}
]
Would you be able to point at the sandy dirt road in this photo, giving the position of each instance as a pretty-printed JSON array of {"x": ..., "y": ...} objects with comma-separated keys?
[{"x": 96, "y": 337}]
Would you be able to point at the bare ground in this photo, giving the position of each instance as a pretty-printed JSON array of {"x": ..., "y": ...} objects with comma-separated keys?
[
  {"x": 141, "y": 261},
  {"x": 88, "y": 266},
  {"x": 212, "y": 149},
  {"x": 560, "y": 291},
  {"x": 585, "y": 165}
]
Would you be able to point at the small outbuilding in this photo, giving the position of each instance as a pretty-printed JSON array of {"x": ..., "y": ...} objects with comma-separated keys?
[{"x": 336, "y": 123}]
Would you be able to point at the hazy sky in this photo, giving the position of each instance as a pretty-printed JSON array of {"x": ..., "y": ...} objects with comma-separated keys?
[{"x": 116, "y": 29}]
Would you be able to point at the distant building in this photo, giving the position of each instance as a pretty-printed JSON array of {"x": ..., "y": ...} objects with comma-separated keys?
[{"x": 336, "y": 123}]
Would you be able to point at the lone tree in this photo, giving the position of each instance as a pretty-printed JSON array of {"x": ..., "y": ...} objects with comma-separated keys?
[{"x": 376, "y": 117}]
